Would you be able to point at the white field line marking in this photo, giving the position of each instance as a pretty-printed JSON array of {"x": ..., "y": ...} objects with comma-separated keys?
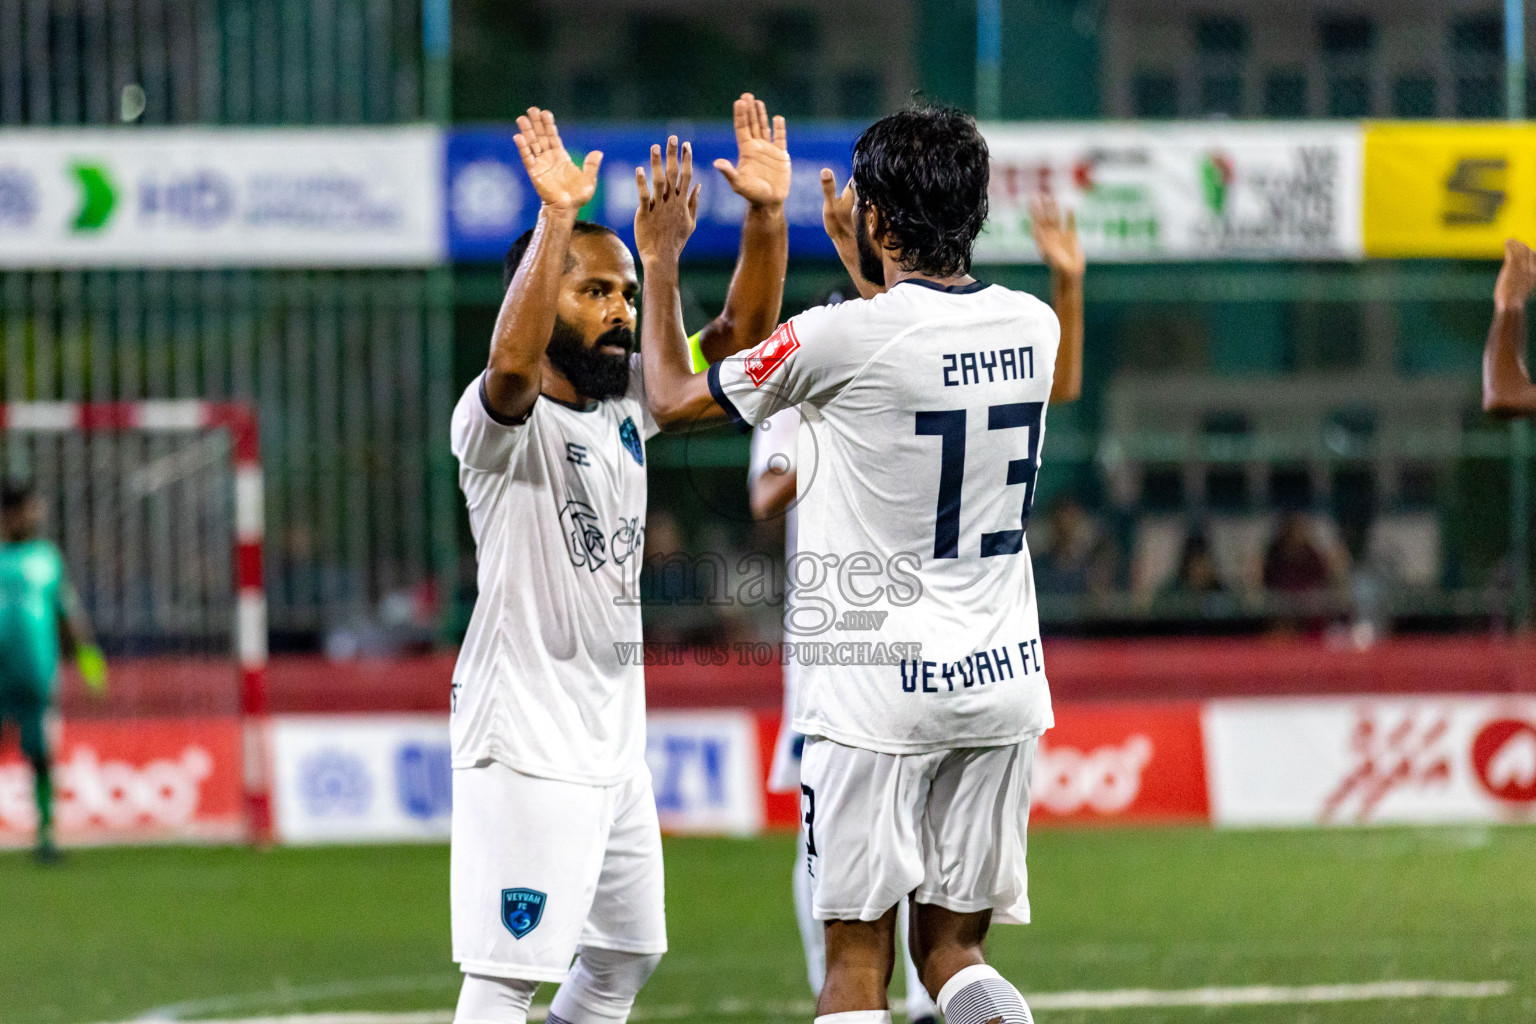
[
  {"x": 1253, "y": 995},
  {"x": 1111, "y": 999}
]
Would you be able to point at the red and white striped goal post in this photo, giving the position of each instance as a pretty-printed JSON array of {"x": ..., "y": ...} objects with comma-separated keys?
[{"x": 171, "y": 415}]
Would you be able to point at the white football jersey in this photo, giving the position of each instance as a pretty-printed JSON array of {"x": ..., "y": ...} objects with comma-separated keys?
[
  {"x": 913, "y": 617},
  {"x": 549, "y": 680},
  {"x": 775, "y": 449}
]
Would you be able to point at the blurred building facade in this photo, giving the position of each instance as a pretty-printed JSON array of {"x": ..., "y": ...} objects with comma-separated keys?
[{"x": 1218, "y": 397}]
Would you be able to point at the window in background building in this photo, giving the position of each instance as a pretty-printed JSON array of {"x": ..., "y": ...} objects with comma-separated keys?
[
  {"x": 789, "y": 51},
  {"x": 592, "y": 96},
  {"x": 1477, "y": 42},
  {"x": 1348, "y": 45},
  {"x": 1226, "y": 485},
  {"x": 681, "y": 66},
  {"x": 1221, "y": 45},
  {"x": 1327, "y": 336},
  {"x": 861, "y": 94},
  {"x": 1155, "y": 94},
  {"x": 1414, "y": 95},
  {"x": 1285, "y": 94}
]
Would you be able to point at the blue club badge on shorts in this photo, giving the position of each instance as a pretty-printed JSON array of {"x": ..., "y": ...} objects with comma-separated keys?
[
  {"x": 521, "y": 910},
  {"x": 631, "y": 438}
]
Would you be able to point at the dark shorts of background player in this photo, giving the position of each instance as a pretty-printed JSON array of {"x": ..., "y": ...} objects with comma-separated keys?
[{"x": 27, "y": 709}]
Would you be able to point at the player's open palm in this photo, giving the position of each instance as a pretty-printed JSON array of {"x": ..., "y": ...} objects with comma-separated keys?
[
  {"x": 761, "y": 173},
  {"x": 1056, "y": 237},
  {"x": 669, "y": 203},
  {"x": 1517, "y": 278},
  {"x": 555, "y": 176}
]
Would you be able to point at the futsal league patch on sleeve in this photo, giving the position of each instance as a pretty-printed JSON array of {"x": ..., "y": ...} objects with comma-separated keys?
[
  {"x": 631, "y": 438},
  {"x": 762, "y": 361},
  {"x": 521, "y": 910}
]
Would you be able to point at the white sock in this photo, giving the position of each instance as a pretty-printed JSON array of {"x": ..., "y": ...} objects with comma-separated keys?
[
  {"x": 487, "y": 1000},
  {"x": 856, "y": 1017},
  {"x": 977, "y": 994},
  {"x": 601, "y": 986}
]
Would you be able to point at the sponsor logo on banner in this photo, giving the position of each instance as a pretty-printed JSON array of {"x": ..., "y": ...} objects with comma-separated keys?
[
  {"x": 490, "y": 203},
  {"x": 207, "y": 197},
  {"x": 1366, "y": 761},
  {"x": 133, "y": 781},
  {"x": 345, "y": 778},
  {"x": 705, "y": 770},
  {"x": 1436, "y": 189},
  {"x": 1180, "y": 191},
  {"x": 1120, "y": 761}
]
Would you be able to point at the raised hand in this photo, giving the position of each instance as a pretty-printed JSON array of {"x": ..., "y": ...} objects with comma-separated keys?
[
  {"x": 836, "y": 209},
  {"x": 555, "y": 176},
  {"x": 761, "y": 173},
  {"x": 1517, "y": 278},
  {"x": 669, "y": 204},
  {"x": 1056, "y": 237}
]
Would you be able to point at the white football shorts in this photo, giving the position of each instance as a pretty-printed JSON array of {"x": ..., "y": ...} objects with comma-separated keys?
[
  {"x": 539, "y": 867},
  {"x": 949, "y": 826}
]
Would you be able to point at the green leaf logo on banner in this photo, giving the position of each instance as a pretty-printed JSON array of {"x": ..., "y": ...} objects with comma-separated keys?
[
  {"x": 1216, "y": 174},
  {"x": 97, "y": 197}
]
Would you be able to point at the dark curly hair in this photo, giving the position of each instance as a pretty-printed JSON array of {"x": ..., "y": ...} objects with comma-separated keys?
[
  {"x": 925, "y": 170},
  {"x": 515, "y": 253}
]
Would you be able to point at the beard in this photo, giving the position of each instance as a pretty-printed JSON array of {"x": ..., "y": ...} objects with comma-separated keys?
[
  {"x": 591, "y": 371},
  {"x": 870, "y": 265}
]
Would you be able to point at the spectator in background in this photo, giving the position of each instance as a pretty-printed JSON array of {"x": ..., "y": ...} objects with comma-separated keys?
[
  {"x": 1197, "y": 569},
  {"x": 1079, "y": 556},
  {"x": 1293, "y": 562}
]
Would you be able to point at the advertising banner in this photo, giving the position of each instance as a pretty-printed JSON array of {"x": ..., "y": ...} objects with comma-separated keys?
[
  {"x": 380, "y": 777},
  {"x": 1121, "y": 762},
  {"x": 707, "y": 771},
  {"x": 361, "y": 778},
  {"x": 490, "y": 201},
  {"x": 1448, "y": 189},
  {"x": 1355, "y": 761},
  {"x": 1180, "y": 191},
  {"x": 198, "y": 197},
  {"x": 135, "y": 781}
]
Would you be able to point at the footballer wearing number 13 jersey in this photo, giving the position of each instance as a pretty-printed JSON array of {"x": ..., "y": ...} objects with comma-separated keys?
[{"x": 924, "y": 409}]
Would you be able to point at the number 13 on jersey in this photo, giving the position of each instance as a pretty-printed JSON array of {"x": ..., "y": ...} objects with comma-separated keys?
[{"x": 949, "y": 426}]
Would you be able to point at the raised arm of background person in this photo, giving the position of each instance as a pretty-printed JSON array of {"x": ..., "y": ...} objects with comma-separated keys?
[
  {"x": 1056, "y": 238},
  {"x": 761, "y": 177},
  {"x": 527, "y": 316},
  {"x": 664, "y": 220},
  {"x": 837, "y": 218},
  {"x": 1507, "y": 388}
]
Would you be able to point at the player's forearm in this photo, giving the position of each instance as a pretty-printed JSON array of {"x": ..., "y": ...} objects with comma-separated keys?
[
  {"x": 527, "y": 315},
  {"x": 757, "y": 287},
  {"x": 772, "y": 494},
  {"x": 1507, "y": 388},
  {"x": 1067, "y": 301},
  {"x": 675, "y": 395}
]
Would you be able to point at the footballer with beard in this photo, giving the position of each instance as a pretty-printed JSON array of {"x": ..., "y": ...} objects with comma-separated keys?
[{"x": 556, "y": 871}]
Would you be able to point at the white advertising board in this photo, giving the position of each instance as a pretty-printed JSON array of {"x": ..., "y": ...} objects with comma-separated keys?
[
  {"x": 378, "y": 777},
  {"x": 198, "y": 197},
  {"x": 1180, "y": 191},
  {"x": 1369, "y": 760}
]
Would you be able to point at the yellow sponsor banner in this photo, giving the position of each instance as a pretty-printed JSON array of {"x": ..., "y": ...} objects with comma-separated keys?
[{"x": 1438, "y": 189}]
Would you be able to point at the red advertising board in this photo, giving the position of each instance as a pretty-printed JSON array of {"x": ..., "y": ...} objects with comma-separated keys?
[
  {"x": 1116, "y": 762},
  {"x": 135, "y": 780}
]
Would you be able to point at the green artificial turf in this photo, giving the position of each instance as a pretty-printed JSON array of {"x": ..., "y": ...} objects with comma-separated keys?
[{"x": 195, "y": 933}]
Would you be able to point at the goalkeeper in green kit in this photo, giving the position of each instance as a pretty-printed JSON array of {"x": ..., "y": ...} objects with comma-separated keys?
[{"x": 39, "y": 615}]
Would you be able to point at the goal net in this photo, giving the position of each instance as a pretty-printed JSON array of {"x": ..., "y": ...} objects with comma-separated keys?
[{"x": 157, "y": 507}]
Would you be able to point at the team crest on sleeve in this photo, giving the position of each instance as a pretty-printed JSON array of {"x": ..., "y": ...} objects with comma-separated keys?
[
  {"x": 762, "y": 361},
  {"x": 631, "y": 438},
  {"x": 521, "y": 910}
]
